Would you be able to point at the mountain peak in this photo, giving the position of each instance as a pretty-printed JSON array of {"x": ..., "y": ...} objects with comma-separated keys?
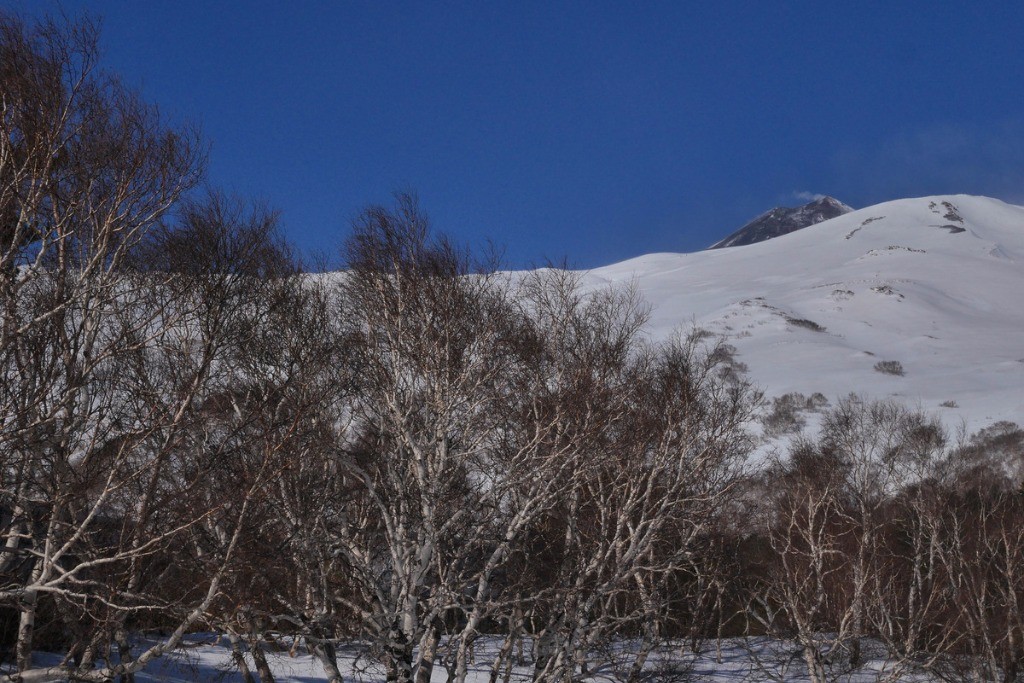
[
  {"x": 830, "y": 201},
  {"x": 783, "y": 220}
]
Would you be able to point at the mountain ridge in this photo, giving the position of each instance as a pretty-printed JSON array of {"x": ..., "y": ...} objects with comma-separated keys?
[
  {"x": 782, "y": 220},
  {"x": 930, "y": 283}
]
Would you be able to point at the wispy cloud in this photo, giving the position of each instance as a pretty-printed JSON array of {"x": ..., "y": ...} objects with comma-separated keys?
[
  {"x": 805, "y": 196},
  {"x": 942, "y": 159}
]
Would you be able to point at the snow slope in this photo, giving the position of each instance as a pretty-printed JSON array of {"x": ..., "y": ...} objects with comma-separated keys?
[{"x": 935, "y": 283}]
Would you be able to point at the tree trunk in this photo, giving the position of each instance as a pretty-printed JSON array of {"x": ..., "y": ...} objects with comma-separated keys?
[
  {"x": 238, "y": 656},
  {"x": 262, "y": 667},
  {"x": 325, "y": 653},
  {"x": 857, "y": 626},
  {"x": 545, "y": 649},
  {"x": 124, "y": 651},
  {"x": 504, "y": 653},
  {"x": 637, "y": 669},
  {"x": 399, "y": 665},
  {"x": 428, "y": 653},
  {"x": 26, "y": 629},
  {"x": 464, "y": 655},
  {"x": 507, "y": 677},
  {"x": 88, "y": 657},
  {"x": 815, "y": 669}
]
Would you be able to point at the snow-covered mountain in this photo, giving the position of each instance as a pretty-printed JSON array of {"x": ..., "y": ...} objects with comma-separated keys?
[
  {"x": 935, "y": 284},
  {"x": 783, "y": 220}
]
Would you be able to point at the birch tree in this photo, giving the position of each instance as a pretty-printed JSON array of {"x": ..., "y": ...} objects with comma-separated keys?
[
  {"x": 638, "y": 513},
  {"x": 981, "y": 550},
  {"x": 107, "y": 366},
  {"x": 431, "y": 344},
  {"x": 832, "y": 586},
  {"x": 547, "y": 421},
  {"x": 86, "y": 167}
]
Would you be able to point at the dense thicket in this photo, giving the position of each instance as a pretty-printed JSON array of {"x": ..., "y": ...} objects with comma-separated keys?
[{"x": 419, "y": 450}]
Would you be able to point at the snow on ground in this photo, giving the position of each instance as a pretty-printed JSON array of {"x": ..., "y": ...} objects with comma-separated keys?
[
  {"x": 207, "y": 659},
  {"x": 934, "y": 283}
]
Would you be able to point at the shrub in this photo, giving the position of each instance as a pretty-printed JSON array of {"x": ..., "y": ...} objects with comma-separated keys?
[
  {"x": 805, "y": 323},
  {"x": 785, "y": 417},
  {"x": 817, "y": 401},
  {"x": 890, "y": 367}
]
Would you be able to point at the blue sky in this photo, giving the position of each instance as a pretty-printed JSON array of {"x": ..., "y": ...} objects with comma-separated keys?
[{"x": 592, "y": 131}]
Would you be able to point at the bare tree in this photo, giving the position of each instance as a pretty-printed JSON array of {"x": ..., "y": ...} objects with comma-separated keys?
[
  {"x": 114, "y": 370},
  {"x": 883, "y": 447},
  {"x": 909, "y": 610},
  {"x": 832, "y": 583},
  {"x": 297, "y": 361},
  {"x": 430, "y": 344},
  {"x": 480, "y": 415},
  {"x": 85, "y": 169},
  {"x": 639, "y": 512},
  {"x": 980, "y": 544}
]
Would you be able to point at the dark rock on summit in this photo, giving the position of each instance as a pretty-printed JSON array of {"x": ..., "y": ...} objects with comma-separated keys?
[{"x": 783, "y": 220}]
